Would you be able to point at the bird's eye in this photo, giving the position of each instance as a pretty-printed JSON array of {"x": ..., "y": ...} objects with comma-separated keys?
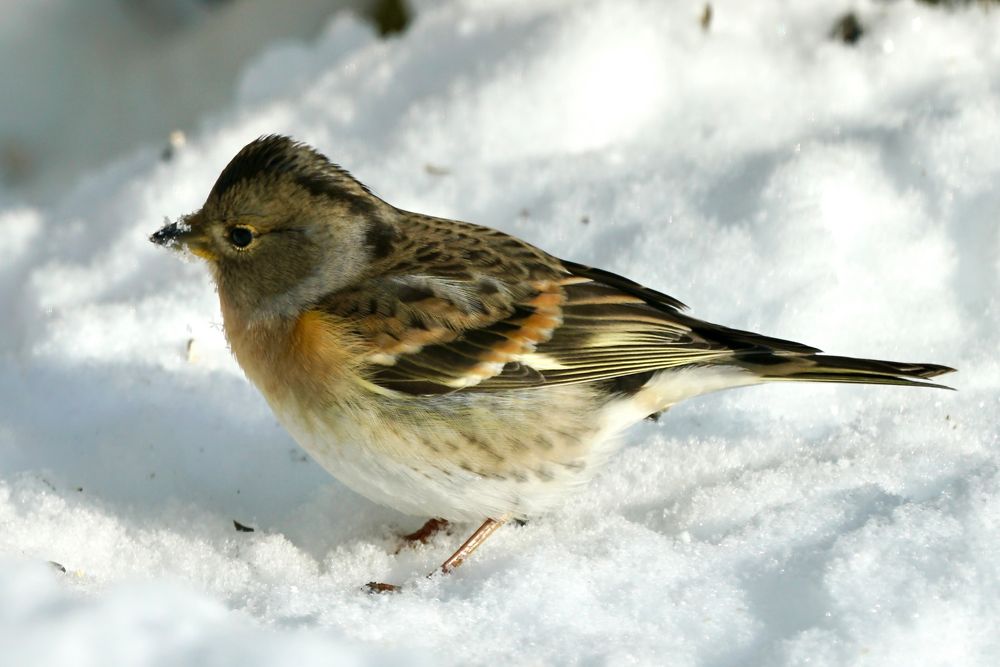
[{"x": 240, "y": 237}]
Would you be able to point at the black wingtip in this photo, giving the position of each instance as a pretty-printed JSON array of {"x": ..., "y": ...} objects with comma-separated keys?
[
  {"x": 830, "y": 368},
  {"x": 934, "y": 370},
  {"x": 650, "y": 296}
]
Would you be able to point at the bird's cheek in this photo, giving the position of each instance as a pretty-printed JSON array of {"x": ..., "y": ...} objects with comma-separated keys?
[{"x": 206, "y": 253}]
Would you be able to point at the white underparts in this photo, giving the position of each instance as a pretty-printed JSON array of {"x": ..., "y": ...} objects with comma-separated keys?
[{"x": 670, "y": 387}]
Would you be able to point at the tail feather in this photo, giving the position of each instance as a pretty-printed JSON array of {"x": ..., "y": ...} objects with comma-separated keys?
[{"x": 776, "y": 366}]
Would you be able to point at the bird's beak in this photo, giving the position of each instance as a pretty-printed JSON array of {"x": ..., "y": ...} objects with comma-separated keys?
[{"x": 185, "y": 233}]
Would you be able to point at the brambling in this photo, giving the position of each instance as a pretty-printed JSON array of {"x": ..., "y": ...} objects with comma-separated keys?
[{"x": 446, "y": 369}]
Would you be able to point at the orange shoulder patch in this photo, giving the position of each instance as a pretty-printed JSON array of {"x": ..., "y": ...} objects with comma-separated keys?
[{"x": 322, "y": 343}]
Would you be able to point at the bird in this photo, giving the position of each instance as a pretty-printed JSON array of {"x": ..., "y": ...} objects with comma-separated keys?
[{"x": 446, "y": 369}]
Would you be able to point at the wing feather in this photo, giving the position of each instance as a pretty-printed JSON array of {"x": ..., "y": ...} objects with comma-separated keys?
[
  {"x": 427, "y": 336},
  {"x": 465, "y": 308},
  {"x": 456, "y": 307}
]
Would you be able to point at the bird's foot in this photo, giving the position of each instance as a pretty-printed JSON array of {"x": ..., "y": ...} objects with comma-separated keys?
[
  {"x": 423, "y": 534},
  {"x": 489, "y": 527},
  {"x": 376, "y": 588}
]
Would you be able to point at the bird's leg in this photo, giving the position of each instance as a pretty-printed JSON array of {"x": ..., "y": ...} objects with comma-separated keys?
[
  {"x": 489, "y": 527},
  {"x": 427, "y": 531}
]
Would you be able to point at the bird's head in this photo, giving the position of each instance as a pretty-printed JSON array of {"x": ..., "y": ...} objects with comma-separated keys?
[{"x": 281, "y": 227}]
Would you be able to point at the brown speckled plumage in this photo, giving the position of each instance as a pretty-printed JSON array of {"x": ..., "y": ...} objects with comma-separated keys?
[{"x": 447, "y": 369}]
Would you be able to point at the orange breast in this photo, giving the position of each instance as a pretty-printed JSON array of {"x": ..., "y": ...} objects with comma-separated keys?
[{"x": 311, "y": 358}]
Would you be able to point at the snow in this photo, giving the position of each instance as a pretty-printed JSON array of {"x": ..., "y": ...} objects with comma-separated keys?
[{"x": 767, "y": 175}]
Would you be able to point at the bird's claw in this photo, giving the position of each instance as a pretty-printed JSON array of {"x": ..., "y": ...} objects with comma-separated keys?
[{"x": 376, "y": 588}]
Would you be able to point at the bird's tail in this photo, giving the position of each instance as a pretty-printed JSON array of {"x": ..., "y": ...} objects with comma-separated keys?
[{"x": 782, "y": 366}]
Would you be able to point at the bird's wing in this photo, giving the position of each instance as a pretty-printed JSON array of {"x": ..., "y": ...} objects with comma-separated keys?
[
  {"x": 423, "y": 334},
  {"x": 563, "y": 324}
]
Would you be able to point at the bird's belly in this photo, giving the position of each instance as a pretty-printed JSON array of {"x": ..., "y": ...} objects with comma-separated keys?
[{"x": 461, "y": 459}]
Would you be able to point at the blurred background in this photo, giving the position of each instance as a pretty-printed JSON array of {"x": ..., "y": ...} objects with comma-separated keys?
[{"x": 84, "y": 82}]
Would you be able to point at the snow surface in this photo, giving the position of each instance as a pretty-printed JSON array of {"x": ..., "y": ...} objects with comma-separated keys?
[{"x": 769, "y": 176}]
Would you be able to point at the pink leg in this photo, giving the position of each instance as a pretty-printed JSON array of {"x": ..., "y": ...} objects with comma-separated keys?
[{"x": 489, "y": 527}]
